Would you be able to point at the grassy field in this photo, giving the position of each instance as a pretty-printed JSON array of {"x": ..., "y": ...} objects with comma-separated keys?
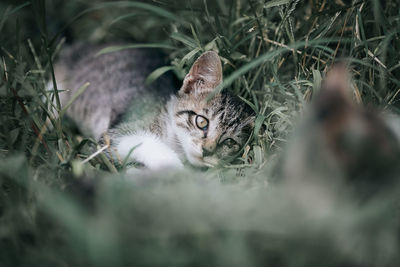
[{"x": 56, "y": 209}]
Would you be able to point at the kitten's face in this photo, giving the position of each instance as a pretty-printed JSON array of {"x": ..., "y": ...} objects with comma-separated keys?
[{"x": 209, "y": 131}]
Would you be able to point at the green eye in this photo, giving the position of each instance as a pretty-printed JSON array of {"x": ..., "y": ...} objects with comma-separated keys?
[
  {"x": 201, "y": 122},
  {"x": 229, "y": 142}
]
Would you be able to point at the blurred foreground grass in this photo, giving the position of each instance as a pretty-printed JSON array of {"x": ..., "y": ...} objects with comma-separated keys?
[{"x": 57, "y": 211}]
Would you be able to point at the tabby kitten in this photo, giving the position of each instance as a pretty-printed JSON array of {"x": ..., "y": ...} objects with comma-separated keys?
[{"x": 188, "y": 127}]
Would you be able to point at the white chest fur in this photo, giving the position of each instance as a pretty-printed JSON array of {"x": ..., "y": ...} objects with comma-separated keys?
[{"x": 150, "y": 150}]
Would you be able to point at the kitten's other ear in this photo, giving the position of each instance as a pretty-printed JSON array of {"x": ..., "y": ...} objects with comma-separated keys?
[
  {"x": 334, "y": 99},
  {"x": 204, "y": 76},
  {"x": 337, "y": 81}
]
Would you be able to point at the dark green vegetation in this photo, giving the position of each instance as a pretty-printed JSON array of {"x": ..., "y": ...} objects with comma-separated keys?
[{"x": 56, "y": 210}]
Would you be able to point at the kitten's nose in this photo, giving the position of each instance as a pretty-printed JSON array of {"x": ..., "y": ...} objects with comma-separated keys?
[{"x": 208, "y": 149}]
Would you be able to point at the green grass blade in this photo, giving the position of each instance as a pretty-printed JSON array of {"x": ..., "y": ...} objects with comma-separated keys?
[{"x": 117, "y": 48}]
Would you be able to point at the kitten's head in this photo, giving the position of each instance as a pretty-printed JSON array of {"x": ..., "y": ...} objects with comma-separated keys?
[{"x": 210, "y": 130}]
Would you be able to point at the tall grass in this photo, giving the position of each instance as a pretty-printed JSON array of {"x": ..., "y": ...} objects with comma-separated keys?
[{"x": 57, "y": 209}]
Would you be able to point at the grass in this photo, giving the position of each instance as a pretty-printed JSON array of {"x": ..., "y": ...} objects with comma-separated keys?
[{"x": 57, "y": 209}]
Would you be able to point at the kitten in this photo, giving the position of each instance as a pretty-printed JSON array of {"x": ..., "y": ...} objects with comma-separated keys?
[{"x": 188, "y": 127}]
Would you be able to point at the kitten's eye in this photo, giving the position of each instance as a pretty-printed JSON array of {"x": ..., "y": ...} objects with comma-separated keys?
[
  {"x": 229, "y": 142},
  {"x": 201, "y": 122}
]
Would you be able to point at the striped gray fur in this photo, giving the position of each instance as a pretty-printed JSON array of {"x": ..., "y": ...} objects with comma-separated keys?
[{"x": 116, "y": 79}]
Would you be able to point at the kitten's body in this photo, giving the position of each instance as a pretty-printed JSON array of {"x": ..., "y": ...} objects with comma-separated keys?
[
  {"x": 116, "y": 79},
  {"x": 188, "y": 127}
]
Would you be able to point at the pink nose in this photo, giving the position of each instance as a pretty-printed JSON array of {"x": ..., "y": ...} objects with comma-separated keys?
[{"x": 209, "y": 148}]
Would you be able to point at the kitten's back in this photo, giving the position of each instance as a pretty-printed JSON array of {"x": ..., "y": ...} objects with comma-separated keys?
[{"x": 116, "y": 79}]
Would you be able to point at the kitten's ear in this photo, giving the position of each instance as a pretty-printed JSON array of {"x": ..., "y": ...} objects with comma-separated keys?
[
  {"x": 337, "y": 81},
  {"x": 335, "y": 93},
  {"x": 204, "y": 76}
]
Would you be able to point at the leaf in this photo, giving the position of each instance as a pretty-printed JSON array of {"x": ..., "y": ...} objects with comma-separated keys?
[
  {"x": 274, "y": 3},
  {"x": 237, "y": 56},
  {"x": 317, "y": 80},
  {"x": 119, "y": 18},
  {"x": 211, "y": 45},
  {"x": 249, "y": 103},
  {"x": 189, "y": 56},
  {"x": 126, "y": 159},
  {"x": 184, "y": 39},
  {"x": 116, "y": 48},
  {"x": 258, "y": 155},
  {"x": 157, "y": 73},
  {"x": 73, "y": 98},
  {"x": 258, "y": 124},
  {"x": 9, "y": 12},
  {"x": 77, "y": 167},
  {"x": 195, "y": 35}
]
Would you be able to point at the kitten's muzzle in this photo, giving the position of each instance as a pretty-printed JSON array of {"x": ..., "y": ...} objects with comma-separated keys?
[
  {"x": 202, "y": 161},
  {"x": 208, "y": 150}
]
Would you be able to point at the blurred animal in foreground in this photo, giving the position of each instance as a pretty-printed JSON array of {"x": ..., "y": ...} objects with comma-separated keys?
[{"x": 341, "y": 146}]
